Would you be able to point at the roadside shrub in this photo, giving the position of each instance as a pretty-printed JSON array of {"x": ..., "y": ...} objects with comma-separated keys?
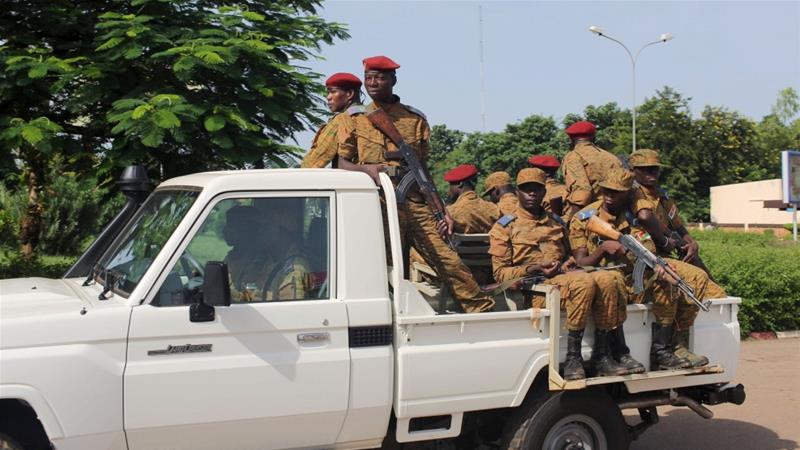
[
  {"x": 12, "y": 265},
  {"x": 762, "y": 270}
]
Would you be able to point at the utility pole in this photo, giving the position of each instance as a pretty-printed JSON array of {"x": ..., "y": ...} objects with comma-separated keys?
[{"x": 483, "y": 77}]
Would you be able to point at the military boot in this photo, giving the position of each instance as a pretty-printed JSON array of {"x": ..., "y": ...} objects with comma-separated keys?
[
  {"x": 661, "y": 356},
  {"x": 604, "y": 364},
  {"x": 573, "y": 365},
  {"x": 682, "y": 349},
  {"x": 621, "y": 352}
]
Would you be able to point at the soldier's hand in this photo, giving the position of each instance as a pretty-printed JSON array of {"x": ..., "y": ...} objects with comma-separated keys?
[
  {"x": 568, "y": 265},
  {"x": 373, "y": 170},
  {"x": 612, "y": 248},
  {"x": 690, "y": 248},
  {"x": 445, "y": 226},
  {"x": 550, "y": 269},
  {"x": 662, "y": 274}
]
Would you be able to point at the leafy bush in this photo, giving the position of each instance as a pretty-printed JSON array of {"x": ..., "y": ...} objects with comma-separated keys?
[
  {"x": 12, "y": 265},
  {"x": 762, "y": 270}
]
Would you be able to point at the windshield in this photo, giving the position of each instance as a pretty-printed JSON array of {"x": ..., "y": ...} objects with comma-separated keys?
[{"x": 129, "y": 257}]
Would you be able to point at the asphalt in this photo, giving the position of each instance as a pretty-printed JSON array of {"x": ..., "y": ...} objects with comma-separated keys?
[{"x": 768, "y": 420}]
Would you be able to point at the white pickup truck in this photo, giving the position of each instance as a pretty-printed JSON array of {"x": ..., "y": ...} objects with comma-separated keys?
[{"x": 153, "y": 351}]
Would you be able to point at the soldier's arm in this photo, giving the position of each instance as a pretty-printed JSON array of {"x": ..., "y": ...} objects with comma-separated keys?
[
  {"x": 501, "y": 251},
  {"x": 578, "y": 239},
  {"x": 578, "y": 185},
  {"x": 660, "y": 234},
  {"x": 324, "y": 147}
]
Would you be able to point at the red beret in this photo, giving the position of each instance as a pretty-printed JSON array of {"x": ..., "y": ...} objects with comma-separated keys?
[
  {"x": 461, "y": 173},
  {"x": 544, "y": 161},
  {"x": 343, "y": 80},
  {"x": 380, "y": 63},
  {"x": 582, "y": 128}
]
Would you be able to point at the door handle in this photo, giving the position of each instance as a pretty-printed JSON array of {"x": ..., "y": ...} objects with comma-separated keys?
[{"x": 305, "y": 338}]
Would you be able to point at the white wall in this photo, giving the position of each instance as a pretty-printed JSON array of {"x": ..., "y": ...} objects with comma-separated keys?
[{"x": 743, "y": 203}]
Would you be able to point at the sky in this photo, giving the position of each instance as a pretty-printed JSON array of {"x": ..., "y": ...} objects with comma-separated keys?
[{"x": 540, "y": 58}]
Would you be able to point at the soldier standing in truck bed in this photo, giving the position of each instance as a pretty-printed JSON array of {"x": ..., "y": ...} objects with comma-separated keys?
[
  {"x": 554, "y": 198},
  {"x": 585, "y": 165},
  {"x": 363, "y": 150},
  {"x": 499, "y": 189},
  {"x": 344, "y": 99},
  {"x": 534, "y": 242}
]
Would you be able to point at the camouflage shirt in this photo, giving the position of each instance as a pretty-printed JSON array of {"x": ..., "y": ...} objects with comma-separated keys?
[
  {"x": 584, "y": 167},
  {"x": 473, "y": 214}
]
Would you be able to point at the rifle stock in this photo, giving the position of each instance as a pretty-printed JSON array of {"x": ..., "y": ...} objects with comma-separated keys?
[{"x": 599, "y": 226}]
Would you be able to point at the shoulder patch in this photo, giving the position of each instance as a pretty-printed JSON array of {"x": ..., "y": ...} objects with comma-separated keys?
[
  {"x": 416, "y": 111},
  {"x": 585, "y": 215},
  {"x": 507, "y": 219},
  {"x": 663, "y": 193},
  {"x": 558, "y": 219},
  {"x": 356, "y": 109}
]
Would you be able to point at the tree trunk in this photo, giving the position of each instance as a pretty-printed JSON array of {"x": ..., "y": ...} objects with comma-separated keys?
[{"x": 30, "y": 226}]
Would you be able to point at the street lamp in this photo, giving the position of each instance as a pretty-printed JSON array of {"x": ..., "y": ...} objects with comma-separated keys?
[{"x": 663, "y": 38}]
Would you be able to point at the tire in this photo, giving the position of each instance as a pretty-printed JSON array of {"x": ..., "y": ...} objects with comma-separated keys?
[
  {"x": 568, "y": 420},
  {"x": 8, "y": 443}
]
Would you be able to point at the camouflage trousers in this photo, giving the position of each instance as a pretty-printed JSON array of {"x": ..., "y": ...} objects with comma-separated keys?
[
  {"x": 578, "y": 291},
  {"x": 671, "y": 306},
  {"x": 418, "y": 228},
  {"x": 610, "y": 308},
  {"x": 602, "y": 293}
]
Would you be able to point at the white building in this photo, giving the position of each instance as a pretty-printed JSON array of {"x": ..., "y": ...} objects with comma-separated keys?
[{"x": 742, "y": 204}]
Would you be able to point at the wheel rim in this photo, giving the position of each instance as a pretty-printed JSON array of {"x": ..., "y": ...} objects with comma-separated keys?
[{"x": 575, "y": 432}]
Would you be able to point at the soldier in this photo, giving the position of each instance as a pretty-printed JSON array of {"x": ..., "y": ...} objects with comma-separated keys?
[
  {"x": 589, "y": 249},
  {"x": 363, "y": 150},
  {"x": 584, "y": 166},
  {"x": 498, "y": 187},
  {"x": 344, "y": 99},
  {"x": 267, "y": 265},
  {"x": 534, "y": 242},
  {"x": 659, "y": 215},
  {"x": 470, "y": 213},
  {"x": 554, "y": 198}
]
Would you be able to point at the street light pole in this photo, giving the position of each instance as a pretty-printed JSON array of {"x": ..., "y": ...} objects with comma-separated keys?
[{"x": 663, "y": 38}]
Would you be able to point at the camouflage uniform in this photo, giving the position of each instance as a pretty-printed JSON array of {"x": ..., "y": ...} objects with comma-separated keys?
[
  {"x": 508, "y": 203},
  {"x": 584, "y": 167},
  {"x": 365, "y": 145},
  {"x": 473, "y": 214},
  {"x": 288, "y": 279},
  {"x": 668, "y": 302},
  {"x": 325, "y": 145},
  {"x": 554, "y": 190},
  {"x": 521, "y": 240}
]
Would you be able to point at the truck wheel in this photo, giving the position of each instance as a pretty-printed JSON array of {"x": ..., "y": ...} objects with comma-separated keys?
[
  {"x": 7, "y": 443},
  {"x": 571, "y": 420}
]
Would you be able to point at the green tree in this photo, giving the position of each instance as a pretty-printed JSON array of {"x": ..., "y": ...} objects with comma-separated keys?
[
  {"x": 180, "y": 86},
  {"x": 787, "y": 105}
]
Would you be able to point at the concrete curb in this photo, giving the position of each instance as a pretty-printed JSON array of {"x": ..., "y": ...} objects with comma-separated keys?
[
  {"x": 793, "y": 334},
  {"x": 769, "y": 335}
]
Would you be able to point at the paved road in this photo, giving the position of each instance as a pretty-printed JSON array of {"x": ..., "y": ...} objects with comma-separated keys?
[{"x": 768, "y": 420}]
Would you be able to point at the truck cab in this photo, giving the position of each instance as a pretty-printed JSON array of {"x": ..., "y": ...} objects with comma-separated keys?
[{"x": 260, "y": 309}]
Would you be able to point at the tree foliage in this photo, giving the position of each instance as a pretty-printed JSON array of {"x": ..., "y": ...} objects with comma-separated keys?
[
  {"x": 179, "y": 86},
  {"x": 718, "y": 147}
]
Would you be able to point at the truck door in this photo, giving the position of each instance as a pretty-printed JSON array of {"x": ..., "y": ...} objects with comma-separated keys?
[{"x": 272, "y": 369}]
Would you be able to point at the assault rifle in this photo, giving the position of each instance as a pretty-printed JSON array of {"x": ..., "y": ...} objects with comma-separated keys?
[
  {"x": 528, "y": 281},
  {"x": 644, "y": 258},
  {"x": 417, "y": 173}
]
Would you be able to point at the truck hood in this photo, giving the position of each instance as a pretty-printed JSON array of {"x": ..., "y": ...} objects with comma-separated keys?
[
  {"x": 25, "y": 297},
  {"x": 42, "y": 311}
]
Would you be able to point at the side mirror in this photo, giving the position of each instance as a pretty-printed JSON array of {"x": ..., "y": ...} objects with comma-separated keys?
[{"x": 216, "y": 292}]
